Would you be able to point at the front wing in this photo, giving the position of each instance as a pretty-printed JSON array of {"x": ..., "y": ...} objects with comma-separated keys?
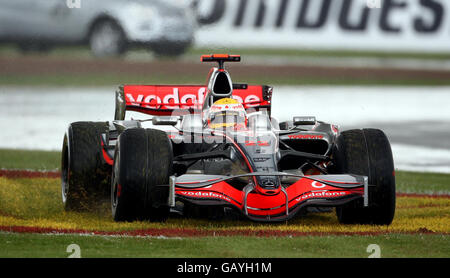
[{"x": 319, "y": 190}]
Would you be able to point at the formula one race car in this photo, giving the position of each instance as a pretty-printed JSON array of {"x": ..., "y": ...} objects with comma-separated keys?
[{"x": 221, "y": 150}]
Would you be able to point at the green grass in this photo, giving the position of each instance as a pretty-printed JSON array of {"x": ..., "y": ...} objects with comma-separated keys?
[
  {"x": 25, "y": 159},
  {"x": 54, "y": 246},
  {"x": 413, "y": 182}
]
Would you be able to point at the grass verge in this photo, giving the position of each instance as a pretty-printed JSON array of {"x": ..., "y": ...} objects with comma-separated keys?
[
  {"x": 27, "y": 159},
  {"x": 36, "y": 203},
  {"x": 422, "y": 183},
  {"x": 420, "y": 228},
  {"x": 54, "y": 246}
]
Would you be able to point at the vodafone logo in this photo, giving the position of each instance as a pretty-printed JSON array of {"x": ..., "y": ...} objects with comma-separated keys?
[
  {"x": 166, "y": 101},
  {"x": 169, "y": 98},
  {"x": 199, "y": 194},
  {"x": 321, "y": 194},
  {"x": 317, "y": 185}
]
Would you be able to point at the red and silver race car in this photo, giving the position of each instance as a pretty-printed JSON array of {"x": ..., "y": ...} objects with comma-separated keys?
[{"x": 215, "y": 149}]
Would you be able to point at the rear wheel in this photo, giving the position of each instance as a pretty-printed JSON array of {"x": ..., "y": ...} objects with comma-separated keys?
[
  {"x": 143, "y": 162},
  {"x": 367, "y": 152},
  {"x": 84, "y": 173}
]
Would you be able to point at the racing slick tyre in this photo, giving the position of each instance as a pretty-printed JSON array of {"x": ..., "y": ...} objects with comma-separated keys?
[
  {"x": 367, "y": 152},
  {"x": 107, "y": 39},
  {"x": 84, "y": 172},
  {"x": 142, "y": 163}
]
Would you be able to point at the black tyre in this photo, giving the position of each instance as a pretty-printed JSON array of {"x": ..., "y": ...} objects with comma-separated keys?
[
  {"x": 367, "y": 152},
  {"x": 143, "y": 162},
  {"x": 84, "y": 172},
  {"x": 107, "y": 39}
]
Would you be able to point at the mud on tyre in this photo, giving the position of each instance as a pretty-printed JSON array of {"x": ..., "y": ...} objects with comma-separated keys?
[{"x": 84, "y": 173}]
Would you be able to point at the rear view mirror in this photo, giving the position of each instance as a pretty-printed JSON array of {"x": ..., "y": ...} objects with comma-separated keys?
[{"x": 304, "y": 121}]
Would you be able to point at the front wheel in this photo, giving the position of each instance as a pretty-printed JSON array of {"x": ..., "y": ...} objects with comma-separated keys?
[
  {"x": 141, "y": 171},
  {"x": 367, "y": 152}
]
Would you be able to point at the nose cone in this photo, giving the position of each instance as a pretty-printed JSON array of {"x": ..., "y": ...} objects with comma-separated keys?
[{"x": 268, "y": 186}]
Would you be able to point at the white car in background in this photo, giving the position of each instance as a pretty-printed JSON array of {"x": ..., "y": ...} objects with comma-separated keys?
[{"x": 110, "y": 27}]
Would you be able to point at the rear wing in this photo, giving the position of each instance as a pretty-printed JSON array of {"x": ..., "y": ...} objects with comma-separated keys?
[
  {"x": 220, "y": 59},
  {"x": 163, "y": 100}
]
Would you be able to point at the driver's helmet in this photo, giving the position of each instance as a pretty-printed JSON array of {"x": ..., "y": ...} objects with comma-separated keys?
[{"x": 227, "y": 112}]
